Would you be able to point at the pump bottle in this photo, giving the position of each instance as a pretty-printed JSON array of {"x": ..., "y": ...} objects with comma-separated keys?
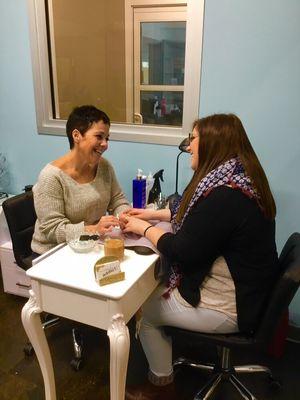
[{"x": 139, "y": 190}]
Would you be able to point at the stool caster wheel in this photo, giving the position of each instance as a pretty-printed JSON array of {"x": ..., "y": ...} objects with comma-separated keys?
[
  {"x": 76, "y": 364},
  {"x": 28, "y": 350},
  {"x": 275, "y": 384}
]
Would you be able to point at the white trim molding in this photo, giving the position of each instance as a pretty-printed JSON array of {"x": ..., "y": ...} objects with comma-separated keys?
[{"x": 157, "y": 134}]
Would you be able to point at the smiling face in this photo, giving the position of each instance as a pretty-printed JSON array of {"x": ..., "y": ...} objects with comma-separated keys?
[
  {"x": 93, "y": 143},
  {"x": 194, "y": 149}
]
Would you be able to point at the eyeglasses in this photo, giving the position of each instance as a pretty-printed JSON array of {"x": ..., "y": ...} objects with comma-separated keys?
[{"x": 191, "y": 137}]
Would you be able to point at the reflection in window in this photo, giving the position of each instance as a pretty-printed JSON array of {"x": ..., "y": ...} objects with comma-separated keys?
[
  {"x": 83, "y": 71},
  {"x": 162, "y": 53},
  {"x": 163, "y": 108},
  {"x": 82, "y": 74}
]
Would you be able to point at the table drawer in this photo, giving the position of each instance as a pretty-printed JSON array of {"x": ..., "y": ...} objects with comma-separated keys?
[{"x": 15, "y": 280}]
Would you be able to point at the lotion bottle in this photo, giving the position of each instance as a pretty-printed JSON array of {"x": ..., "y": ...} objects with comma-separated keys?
[{"x": 139, "y": 190}]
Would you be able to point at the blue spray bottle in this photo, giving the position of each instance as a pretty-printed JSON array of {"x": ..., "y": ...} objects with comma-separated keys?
[{"x": 139, "y": 191}]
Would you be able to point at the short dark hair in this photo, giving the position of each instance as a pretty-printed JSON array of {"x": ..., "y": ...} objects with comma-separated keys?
[{"x": 82, "y": 118}]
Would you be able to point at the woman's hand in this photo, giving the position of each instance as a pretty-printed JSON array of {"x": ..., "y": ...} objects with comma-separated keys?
[
  {"x": 135, "y": 225},
  {"x": 141, "y": 213},
  {"x": 108, "y": 220},
  {"x": 105, "y": 224},
  {"x": 138, "y": 226},
  {"x": 148, "y": 214}
]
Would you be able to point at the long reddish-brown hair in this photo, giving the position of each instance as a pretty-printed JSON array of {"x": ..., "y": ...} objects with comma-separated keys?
[{"x": 222, "y": 137}]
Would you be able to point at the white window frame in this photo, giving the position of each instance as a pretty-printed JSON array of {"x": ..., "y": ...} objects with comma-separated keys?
[
  {"x": 166, "y": 135},
  {"x": 151, "y": 14}
]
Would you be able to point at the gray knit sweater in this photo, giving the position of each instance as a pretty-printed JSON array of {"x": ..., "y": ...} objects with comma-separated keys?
[{"x": 63, "y": 205}]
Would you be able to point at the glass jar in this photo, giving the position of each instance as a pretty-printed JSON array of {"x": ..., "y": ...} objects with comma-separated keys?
[{"x": 114, "y": 243}]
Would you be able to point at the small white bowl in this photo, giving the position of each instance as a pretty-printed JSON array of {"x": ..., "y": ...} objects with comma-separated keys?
[{"x": 82, "y": 246}]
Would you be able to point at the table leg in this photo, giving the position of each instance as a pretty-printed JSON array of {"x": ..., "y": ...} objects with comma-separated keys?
[
  {"x": 33, "y": 327},
  {"x": 119, "y": 352}
]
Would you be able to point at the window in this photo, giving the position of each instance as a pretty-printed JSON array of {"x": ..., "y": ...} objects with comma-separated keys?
[
  {"x": 138, "y": 60},
  {"x": 159, "y": 45}
]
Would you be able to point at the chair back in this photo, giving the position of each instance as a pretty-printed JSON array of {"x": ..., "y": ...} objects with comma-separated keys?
[
  {"x": 284, "y": 290},
  {"x": 20, "y": 215}
]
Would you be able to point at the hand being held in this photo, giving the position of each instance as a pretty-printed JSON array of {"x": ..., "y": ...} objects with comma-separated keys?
[
  {"x": 134, "y": 225},
  {"x": 145, "y": 214},
  {"x": 106, "y": 223}
]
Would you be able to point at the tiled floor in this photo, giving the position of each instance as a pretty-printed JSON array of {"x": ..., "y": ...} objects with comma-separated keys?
[{"x": 21, "y": 379}]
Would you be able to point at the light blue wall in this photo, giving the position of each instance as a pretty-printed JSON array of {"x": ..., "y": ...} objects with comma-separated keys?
[{"x": 251, "y": 60}]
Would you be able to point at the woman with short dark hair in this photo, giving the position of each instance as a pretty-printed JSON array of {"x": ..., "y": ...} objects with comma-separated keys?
[{"x": 74, "y": 192}]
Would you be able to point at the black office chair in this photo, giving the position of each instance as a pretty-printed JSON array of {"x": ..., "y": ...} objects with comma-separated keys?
[
  {"x": 282, "y": 295},
  {"x": 20, "y": 216}
]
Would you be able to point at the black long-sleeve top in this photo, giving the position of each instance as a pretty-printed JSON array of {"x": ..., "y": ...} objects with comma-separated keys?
[{"x": 226, "y": 223}]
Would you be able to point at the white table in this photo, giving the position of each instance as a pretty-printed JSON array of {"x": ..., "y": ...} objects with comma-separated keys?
[{"x": 63, "y": 284}]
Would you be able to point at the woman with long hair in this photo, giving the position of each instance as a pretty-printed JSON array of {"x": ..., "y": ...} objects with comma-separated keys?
[{"x": 222, "y": 252}]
